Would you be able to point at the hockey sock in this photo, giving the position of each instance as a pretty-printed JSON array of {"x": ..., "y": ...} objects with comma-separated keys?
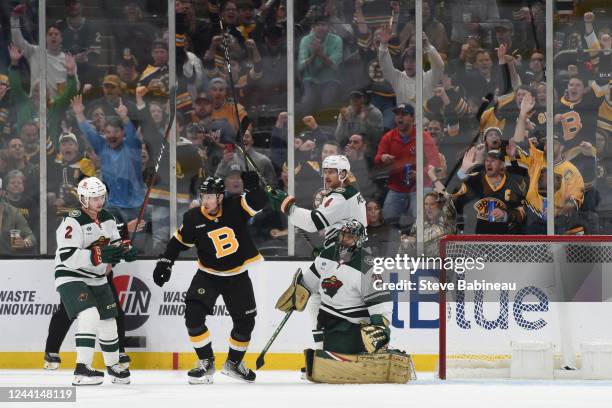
[
  {"x": 237, "y": 348},
  {"x": 85, "y": 335},
  {"x": 120, "y": 319},
  {"x": 58, "y": 328},
  {"x": 200, "y": 340},
  {"x": 109, "y": 342},
  {"x": 317, "y": 336}
]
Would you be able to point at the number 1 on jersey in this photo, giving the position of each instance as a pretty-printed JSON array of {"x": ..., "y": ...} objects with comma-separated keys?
[{"x": 224, "y": 240}]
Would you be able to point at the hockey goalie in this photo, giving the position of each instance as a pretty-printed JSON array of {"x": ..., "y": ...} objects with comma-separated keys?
[{"x": 353, "y": 333}]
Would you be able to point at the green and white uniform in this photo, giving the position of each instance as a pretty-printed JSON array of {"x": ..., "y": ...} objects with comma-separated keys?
[
  {"x": 76, "y": 236},
  {"x": 347, "y": 298},
  {"x": 337, "y": 206}
]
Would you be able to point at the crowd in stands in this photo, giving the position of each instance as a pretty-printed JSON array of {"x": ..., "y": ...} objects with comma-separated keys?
[{"x": 484, "y": 89}]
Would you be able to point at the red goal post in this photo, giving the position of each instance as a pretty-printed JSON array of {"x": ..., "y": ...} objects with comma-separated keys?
[{"x": 509, "y": 248}]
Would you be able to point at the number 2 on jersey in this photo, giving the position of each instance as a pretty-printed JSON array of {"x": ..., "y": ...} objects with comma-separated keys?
[
  {"x": 224, "y": 240},
  {"x": 68, "y": 232}
]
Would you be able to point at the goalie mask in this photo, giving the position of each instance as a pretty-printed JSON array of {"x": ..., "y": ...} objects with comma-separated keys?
[
  {"x": 90, "y": 187},
  {"x": 349, "y": 238}
]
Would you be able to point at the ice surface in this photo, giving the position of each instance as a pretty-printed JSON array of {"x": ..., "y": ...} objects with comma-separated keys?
[{"x": 169, "y": 389}]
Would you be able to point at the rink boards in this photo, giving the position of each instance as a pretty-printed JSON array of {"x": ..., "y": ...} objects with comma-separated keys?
[{"x": 158, "y": 339}]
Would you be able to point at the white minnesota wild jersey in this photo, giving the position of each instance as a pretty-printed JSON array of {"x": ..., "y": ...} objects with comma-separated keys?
[
  {"x": 76, "y": 235},
  {"x": 347, "y": 289},
  {"x": 337, "y": 206}
]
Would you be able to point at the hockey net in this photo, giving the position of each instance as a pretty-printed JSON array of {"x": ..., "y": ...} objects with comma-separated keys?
[{"x": 477, "y": 328}]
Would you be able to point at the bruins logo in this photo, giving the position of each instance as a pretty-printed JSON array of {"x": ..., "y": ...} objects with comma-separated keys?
[
  {"x": 331, "y": 285},
  {"x": 482, "y": 207}
]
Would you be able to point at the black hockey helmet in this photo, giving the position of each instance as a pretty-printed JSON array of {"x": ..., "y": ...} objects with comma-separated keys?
[
  {"x": 212, "y": 185},
  {"x": 351, "y": 236}
]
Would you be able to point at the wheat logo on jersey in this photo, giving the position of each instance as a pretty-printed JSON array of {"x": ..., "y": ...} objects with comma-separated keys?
[
  {"x": 83, "y": 297},
  {"x": 331, "y": 285},
  {"x": 135, "y": 299}
]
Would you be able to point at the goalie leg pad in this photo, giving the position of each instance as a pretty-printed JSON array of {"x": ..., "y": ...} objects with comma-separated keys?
[{"x": 335, "y": 368}]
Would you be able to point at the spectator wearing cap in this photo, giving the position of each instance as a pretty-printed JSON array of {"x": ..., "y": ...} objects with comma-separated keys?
[
  {"x": 359, "y": 117},
  {"x": 56, "y": 59},
  {"x": 404, "y": 82},
  {"x": 156, "y": 76},
  {"x": 64, "y": 172},
  {"x": 128, "y": 74},
  {"x": 222, "y": 107},
  {"x": 499, "y": 196},
  {"x": 13, "y": 222},
  {"x": 113, "y": 94},
  {"x": 77, "y": 31},
  {"x": 319, "y": 58},
  {"x": 397, "y": 154},
  {"x": 119, "y": 150}
]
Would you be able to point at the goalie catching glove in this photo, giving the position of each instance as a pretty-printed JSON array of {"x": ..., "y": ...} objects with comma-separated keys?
[
  {"x": 376, "y": 334},
  {"x": 295, "y": 297}
]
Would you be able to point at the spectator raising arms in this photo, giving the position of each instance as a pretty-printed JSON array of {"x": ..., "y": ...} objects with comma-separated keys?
[{"x": 119, "y": 151}]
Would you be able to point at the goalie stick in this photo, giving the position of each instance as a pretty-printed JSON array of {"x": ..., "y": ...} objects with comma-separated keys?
[
  {"x": 260, "y": 359},
  {"x": 162, "y": 150}
]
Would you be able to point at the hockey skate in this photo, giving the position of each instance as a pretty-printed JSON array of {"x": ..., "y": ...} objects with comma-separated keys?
[
  {"x": 119, "y": 375},
  {"x": 52, "y": 361},
  {"x": 203, "y": 373},
  {"x": 238, "y": 371},
  {"x": 124, "y": 361},
  {"x": 85, "y": 375}
]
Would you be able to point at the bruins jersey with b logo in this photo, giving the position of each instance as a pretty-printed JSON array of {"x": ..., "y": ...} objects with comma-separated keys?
[
  {"x": 508, "y": 196},
  {"x": 223, "y": 243}
]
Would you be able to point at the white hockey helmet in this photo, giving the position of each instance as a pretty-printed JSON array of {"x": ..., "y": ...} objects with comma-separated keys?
[
  {"x": 90, "y": 187},
  {"x": 338, "y": 162}
]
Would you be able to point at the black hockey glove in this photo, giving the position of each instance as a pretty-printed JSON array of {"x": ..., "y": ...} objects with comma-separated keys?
[
  {"x": 162, "y": 271},
  {"x": 250, "y": 179},
  {"x": 106, "y": 254}
]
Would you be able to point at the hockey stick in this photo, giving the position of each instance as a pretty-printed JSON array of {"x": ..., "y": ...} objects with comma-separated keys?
[
  {"x": 260, "y": 359},
  {"x": 240, "y": 132},
  {"x": 162, "y": 150}
]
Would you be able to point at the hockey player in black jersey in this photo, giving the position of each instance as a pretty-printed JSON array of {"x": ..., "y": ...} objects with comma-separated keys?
[{"x": 218, "y": 230}]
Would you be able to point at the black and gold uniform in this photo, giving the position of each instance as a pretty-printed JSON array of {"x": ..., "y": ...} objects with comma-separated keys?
[
  {"x": 507, "y": 196},
  {"x": 225, "y": 252}
]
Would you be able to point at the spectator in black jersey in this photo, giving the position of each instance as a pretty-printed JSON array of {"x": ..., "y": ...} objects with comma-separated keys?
[
  {"x": 76, "y": 30},
  {"x": 382, "y": 237},
  {"x": 499, "y": 196}
]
